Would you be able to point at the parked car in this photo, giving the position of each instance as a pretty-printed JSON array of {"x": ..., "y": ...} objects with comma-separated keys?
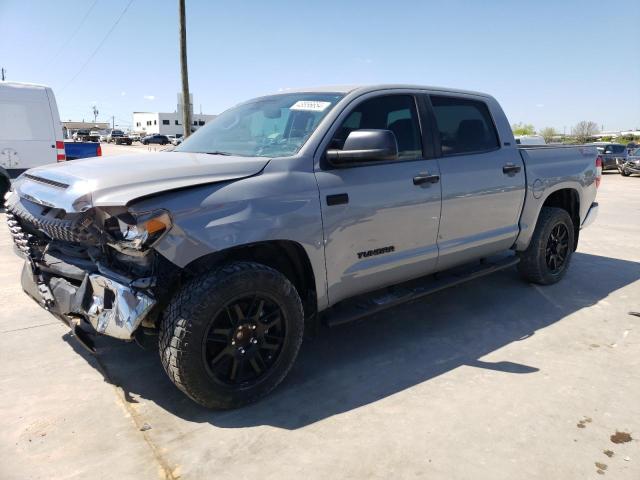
[
  {"x": 232, "y": 244},
  {"x": 114, "y": 134},
  {"x": 631, "y": 164},
  {"x": 119, "y": 138},
  {"x": 611, "y": 154},
  {"x": 81, "y": 135},
  {"x": 135, "y": 137},
  {"x": 155, "y": 138},
  {"x": 31, "y": 130},
  {"x": 94, "y": 136},
  {"x": 175, "y": 139}
]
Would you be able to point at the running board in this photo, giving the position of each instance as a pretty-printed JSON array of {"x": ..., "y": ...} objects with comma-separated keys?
[{"x": 379, "y": 300}]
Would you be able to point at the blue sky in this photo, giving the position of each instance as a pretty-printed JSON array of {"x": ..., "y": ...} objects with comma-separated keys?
[{"x": 550, "y": 63}]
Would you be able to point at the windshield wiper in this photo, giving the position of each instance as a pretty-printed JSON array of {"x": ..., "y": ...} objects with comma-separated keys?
[{"x": 218, "y": 152}]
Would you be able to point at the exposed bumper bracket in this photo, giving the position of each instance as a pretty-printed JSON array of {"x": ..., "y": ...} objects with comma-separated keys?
[
  {"x": 115, "y": 309},
  {"x": 112, "y": 308},
  {"x": 592, "y": 214}
]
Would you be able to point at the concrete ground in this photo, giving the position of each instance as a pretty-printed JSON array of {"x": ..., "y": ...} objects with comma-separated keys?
[
  {"x": 110, "y": 149},
  {"x": 495, "y": 379}
]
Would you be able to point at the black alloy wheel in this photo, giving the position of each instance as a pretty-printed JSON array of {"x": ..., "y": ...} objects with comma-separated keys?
[
  {"x": 244, "y": 340},
  {"x": 557, "y": 248}
]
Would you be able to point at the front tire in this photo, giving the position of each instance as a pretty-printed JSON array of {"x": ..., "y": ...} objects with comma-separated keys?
[
  {"x": 624, "y": 172},
  {"x": 547, "y": 258},
  {"x": 229, "y": 337}
]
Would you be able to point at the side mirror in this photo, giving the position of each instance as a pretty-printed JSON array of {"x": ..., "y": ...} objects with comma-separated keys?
[{"x": 363, "y": 146}]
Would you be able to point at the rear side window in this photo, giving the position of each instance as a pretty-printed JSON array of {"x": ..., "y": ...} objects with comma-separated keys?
[
  {"x": 618, "y": 148},
  {"x": 465, "y": 126},
  {"x": 393, "y": 112}
]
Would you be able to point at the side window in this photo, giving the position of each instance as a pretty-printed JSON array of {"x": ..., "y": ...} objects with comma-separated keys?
[
  {"x": 394, "y": 112},
  {"x": 465, "y": 126}
]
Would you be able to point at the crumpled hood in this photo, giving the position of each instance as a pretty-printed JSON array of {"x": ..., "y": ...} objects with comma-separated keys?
[{"x": 117, "y": 180}]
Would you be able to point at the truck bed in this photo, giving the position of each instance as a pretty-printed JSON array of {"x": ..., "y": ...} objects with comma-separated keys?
[
  {"x": 77, "y": 150},
  {"x": 554, "y": 167}
]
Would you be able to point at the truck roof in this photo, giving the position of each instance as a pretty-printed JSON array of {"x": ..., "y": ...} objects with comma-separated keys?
[{"x": 372, "y": 88}]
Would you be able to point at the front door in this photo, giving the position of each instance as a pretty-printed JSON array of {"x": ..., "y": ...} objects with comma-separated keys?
[{"x": 379, "y": 227}]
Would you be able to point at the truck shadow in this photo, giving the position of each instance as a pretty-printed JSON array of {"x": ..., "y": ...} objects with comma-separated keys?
[{"x": 356, "y": 364}]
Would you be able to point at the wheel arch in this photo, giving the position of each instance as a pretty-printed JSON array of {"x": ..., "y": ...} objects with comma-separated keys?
[
  {"x": 286, "y": 256},
  {"x": 565, "y": 195},
  {"x": 567, "y": 199}
]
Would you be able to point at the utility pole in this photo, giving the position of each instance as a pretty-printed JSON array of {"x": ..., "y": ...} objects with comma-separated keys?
[
  {"x": 95, "y": 113},
  {"x": 4, "y": 72},
  {"x": 113, "y": 122},
  {"x": 186, "y": 103}
]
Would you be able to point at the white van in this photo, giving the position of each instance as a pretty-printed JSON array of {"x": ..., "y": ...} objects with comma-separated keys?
[
  {"x": 30, "y": 130},
  {"x": 530, "y": 140}
]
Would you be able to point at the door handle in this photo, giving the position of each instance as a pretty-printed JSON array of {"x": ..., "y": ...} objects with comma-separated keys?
[
  {"x": 511, "y": 169},
  {"x": 425, "y": 178},
  {"x": 337, "y": 199}
]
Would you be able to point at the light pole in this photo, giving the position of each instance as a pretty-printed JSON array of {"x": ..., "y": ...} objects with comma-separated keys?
[{"x": 186, "y": 103}]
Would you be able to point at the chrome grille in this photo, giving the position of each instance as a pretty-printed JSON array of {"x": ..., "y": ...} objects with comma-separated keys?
[{"x": 39, "y": 218}]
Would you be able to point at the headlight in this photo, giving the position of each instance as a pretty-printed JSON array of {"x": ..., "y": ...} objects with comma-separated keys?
[{"x": 137, "y": 231}]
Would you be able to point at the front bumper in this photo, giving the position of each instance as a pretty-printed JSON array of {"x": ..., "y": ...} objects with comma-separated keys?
[{"x": 111, "y": 307}]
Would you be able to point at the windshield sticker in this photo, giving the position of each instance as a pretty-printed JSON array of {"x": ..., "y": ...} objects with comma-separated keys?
[{"x": 310, "y": 105}]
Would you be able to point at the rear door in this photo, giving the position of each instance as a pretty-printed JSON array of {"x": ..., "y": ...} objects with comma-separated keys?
[
  {"x": 27, "y": 134},
  {"x": 483, "y": 181},
  {"x": 379, "y": 227}
]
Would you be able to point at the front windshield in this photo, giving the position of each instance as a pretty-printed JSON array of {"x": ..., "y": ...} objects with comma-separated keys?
[{"x": 274, "y": 126}]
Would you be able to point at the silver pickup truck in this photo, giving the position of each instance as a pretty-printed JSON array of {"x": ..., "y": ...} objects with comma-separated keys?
[{"x": 291, "y": 210}]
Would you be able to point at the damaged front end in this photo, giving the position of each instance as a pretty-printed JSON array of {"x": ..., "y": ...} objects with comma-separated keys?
[{"x": 94, "y": 268}]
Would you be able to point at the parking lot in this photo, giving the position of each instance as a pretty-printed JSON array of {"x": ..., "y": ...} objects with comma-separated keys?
[
  {"x": 109, "y": 149},
  {"x": 495, "y": 379}
]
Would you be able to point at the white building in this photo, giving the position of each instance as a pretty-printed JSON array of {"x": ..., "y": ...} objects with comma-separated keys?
[
  {"x": 146, "y": 123},
  {"x": 623, "y": 133}
]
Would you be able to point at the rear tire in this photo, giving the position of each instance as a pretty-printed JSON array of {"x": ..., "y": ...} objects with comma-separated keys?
[
  {"x": 230, "y": 336},
  {"x": 547, "y": 258}
]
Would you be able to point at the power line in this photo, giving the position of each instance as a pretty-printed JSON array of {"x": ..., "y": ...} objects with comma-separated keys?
[
  {"x": 115, "y": 24},
  {"x": 75, "y": 32}
]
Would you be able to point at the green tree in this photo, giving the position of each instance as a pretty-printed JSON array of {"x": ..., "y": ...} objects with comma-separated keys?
[
  {"x": 548, "y": 133},
  {"x": 523, "y": 129},
  {"x": 584, "y": 130}
]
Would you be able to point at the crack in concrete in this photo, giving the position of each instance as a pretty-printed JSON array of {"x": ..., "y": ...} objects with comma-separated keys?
[
  {"x": 30, "y": 327},
  {"x": 121, "y": 395}
]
